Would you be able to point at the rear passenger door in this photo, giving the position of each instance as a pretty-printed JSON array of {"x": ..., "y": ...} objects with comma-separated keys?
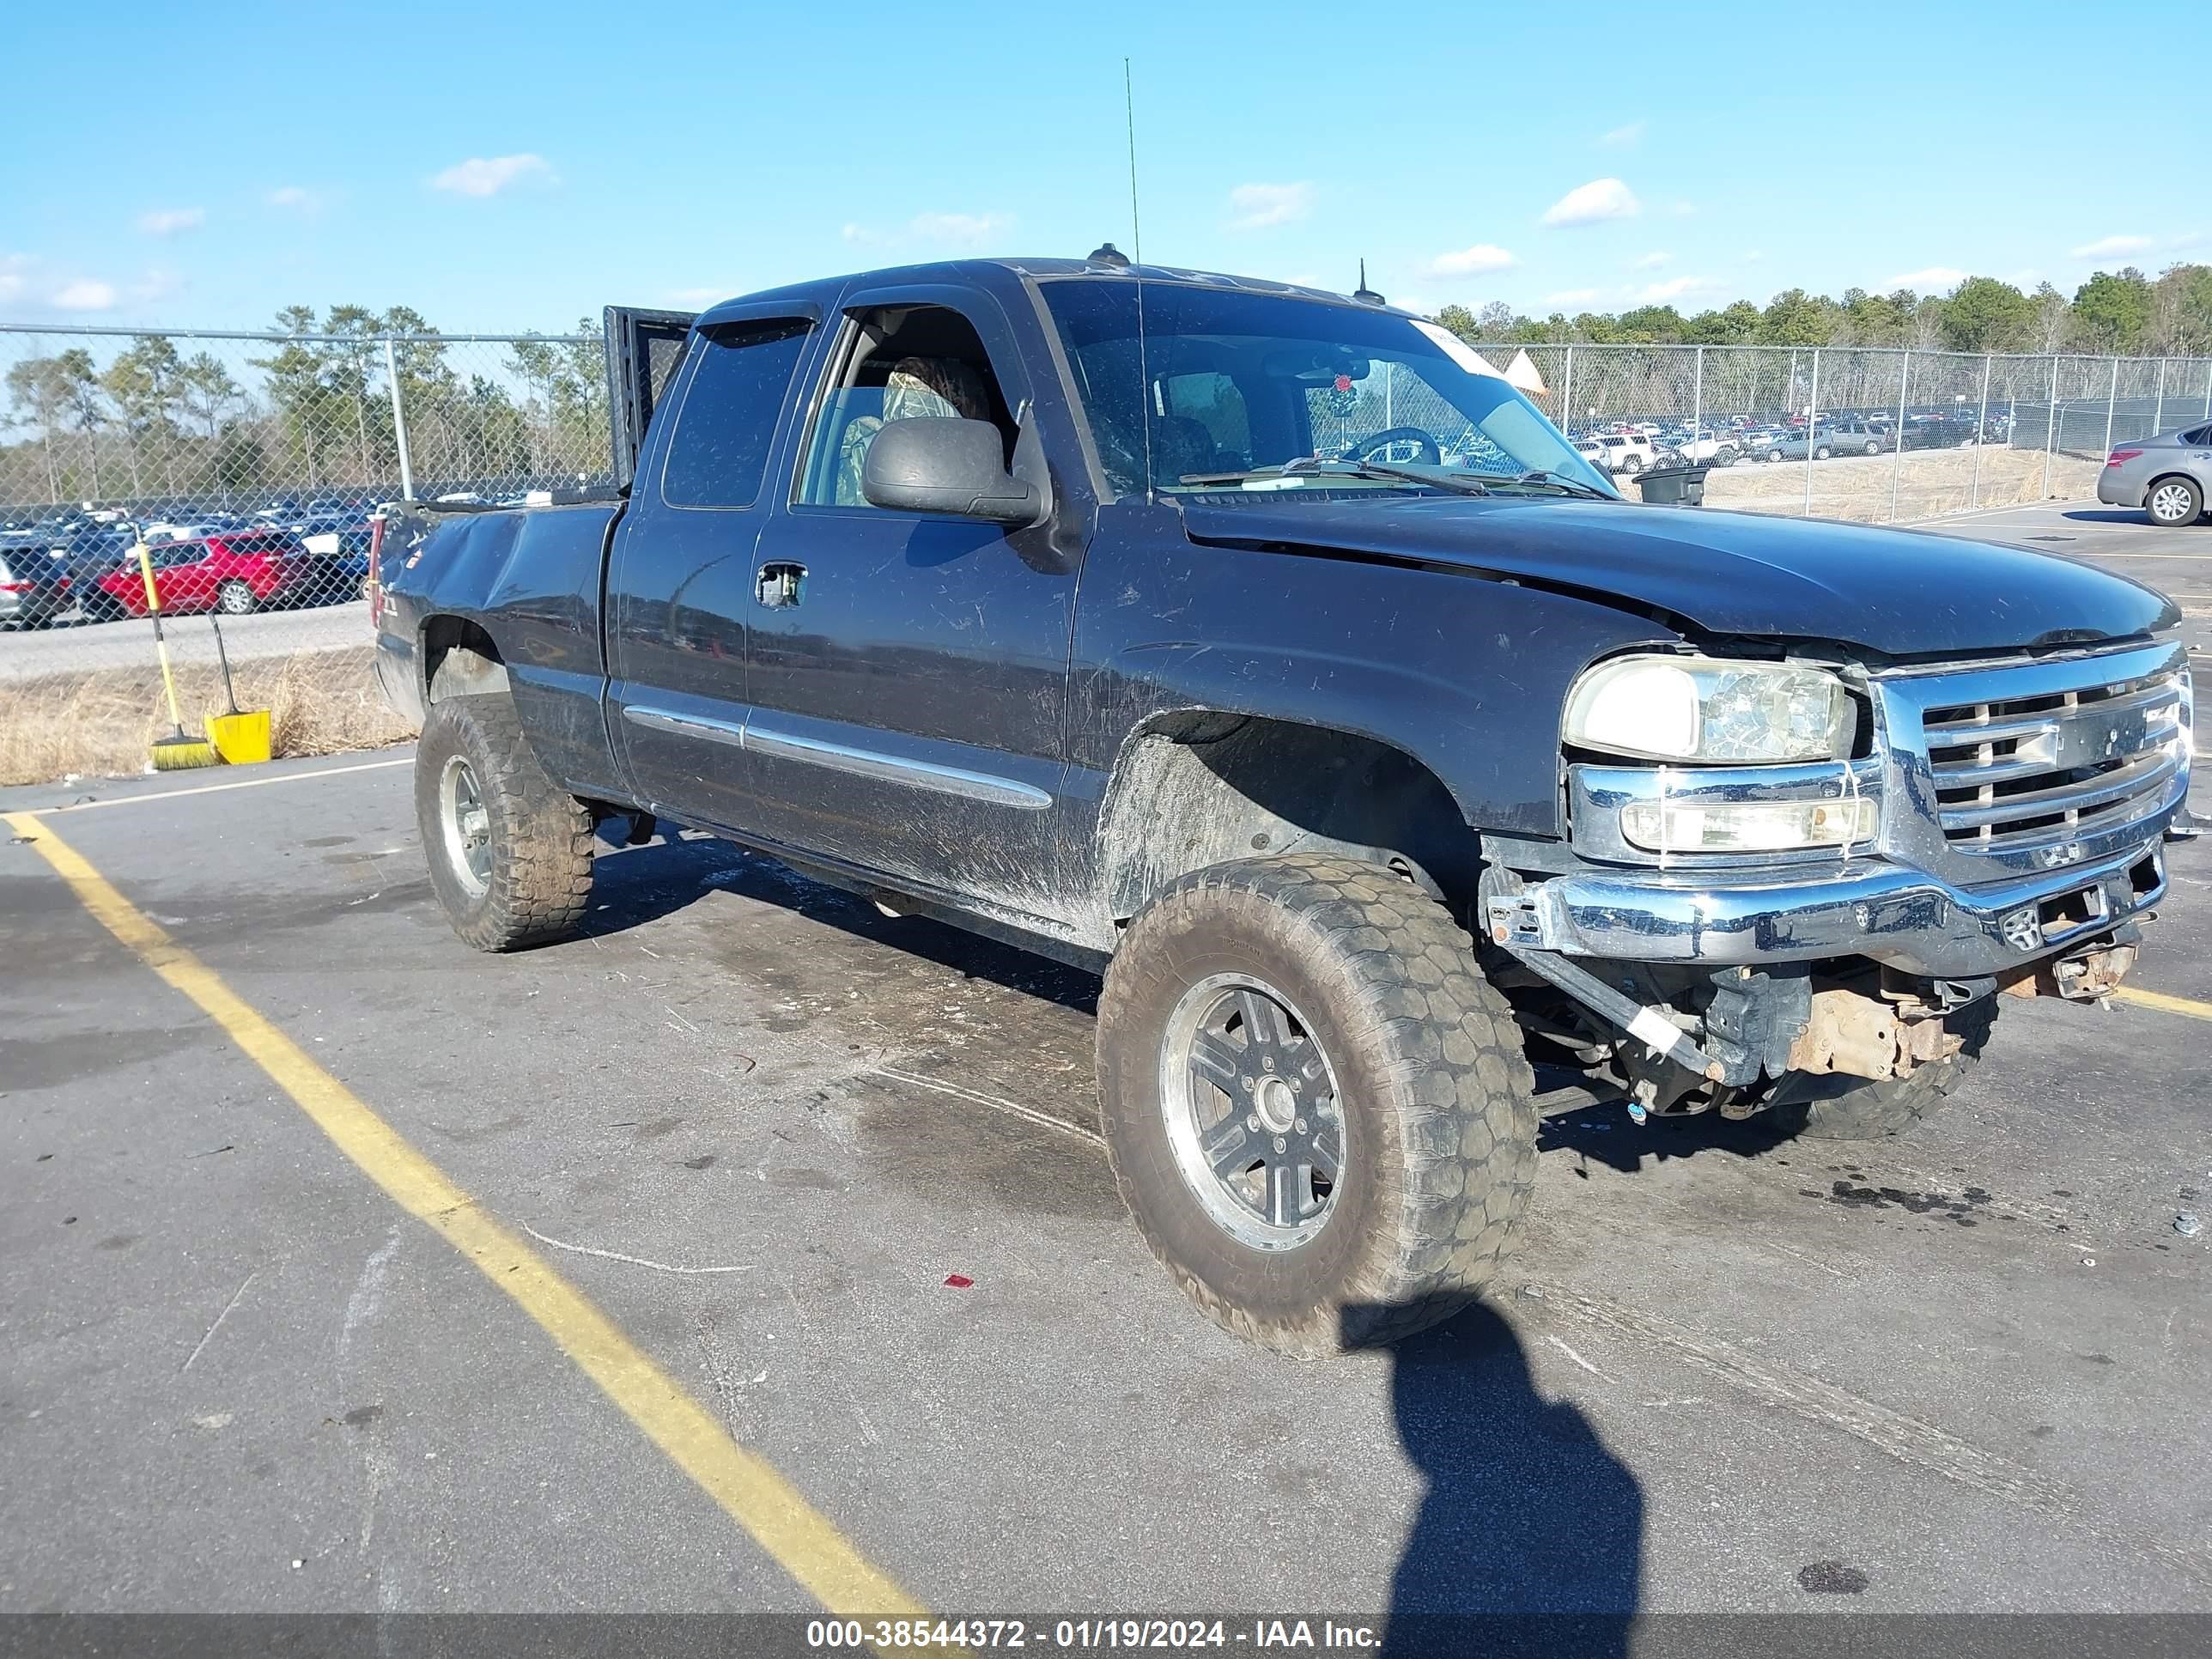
[{"x": 680, "y": 573}]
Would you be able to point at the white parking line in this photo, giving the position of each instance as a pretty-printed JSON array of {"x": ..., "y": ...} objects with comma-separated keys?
[{"x": 218, "y": 788}]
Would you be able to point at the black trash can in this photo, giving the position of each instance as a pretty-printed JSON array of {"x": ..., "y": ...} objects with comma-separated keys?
[{"x": 1673, "y": 486}]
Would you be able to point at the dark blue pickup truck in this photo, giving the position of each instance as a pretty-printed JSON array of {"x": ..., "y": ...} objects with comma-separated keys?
[{"x": 1265, "y": 650}]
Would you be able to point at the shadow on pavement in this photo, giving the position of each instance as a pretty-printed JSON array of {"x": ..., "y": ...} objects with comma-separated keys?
[
  {"x": 2105, "y": 515},
  {"x": 1604, "y": 1135},
  {"x": 633, "y": 885},
  {"x": 1529, "y": 1538}
]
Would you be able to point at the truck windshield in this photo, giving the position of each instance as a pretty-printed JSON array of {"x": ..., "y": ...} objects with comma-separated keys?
[{"x": 1245, "y": 384}]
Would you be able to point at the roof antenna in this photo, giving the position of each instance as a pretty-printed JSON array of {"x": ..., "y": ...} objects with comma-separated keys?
[
  {"x": 1364, "y": 294},
  {"x": 1136, "y": 242}
]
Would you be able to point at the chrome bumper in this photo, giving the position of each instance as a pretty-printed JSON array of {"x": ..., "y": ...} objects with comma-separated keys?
[{"x": 1903, "y": 917}]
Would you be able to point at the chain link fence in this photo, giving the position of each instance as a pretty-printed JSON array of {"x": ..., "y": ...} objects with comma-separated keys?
[
  {"x": 1880, "y": 435},
  {"x": 250, "y": 464}
]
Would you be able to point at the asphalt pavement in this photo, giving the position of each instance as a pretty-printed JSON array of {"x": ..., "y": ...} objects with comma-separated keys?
[{"x": 836, "y": 1177}]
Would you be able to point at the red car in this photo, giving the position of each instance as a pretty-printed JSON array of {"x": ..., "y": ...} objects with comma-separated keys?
[{"x": 233, "y": 573}]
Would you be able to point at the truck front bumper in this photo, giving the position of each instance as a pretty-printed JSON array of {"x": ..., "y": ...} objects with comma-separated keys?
[{"x": 1905, "y": 918}]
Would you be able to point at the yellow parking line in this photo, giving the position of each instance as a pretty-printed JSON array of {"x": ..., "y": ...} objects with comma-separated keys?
[
  {"x": 749, "y": 1489},
  {"x": 2163, "y": 1003}
]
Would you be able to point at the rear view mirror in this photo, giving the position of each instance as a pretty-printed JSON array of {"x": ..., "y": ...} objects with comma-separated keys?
[{"x": 937, "y": 464}]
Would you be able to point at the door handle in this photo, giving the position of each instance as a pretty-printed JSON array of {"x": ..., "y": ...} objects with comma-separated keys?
[{"x": 780, "y": 584}]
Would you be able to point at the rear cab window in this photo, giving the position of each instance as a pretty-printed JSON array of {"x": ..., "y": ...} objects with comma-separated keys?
[{"x": 718, "y": 454}]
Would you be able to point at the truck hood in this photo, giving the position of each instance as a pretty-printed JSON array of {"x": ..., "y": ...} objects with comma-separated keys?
[{"x": 1897, "y": 592}]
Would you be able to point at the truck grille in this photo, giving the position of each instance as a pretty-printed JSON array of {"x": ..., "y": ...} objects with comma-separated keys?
[{"x": 2030, "y": 772}]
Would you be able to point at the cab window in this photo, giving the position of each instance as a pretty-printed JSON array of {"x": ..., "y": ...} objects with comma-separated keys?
[
  {"x": 718, "y": 453},
  {"x": 901, "y": 362}
]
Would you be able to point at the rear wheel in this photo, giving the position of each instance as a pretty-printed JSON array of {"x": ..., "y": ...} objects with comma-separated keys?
[
  {"x": 1316, "y": 1108},
  {"x": 234, "y": 598},
  {"x": 1822, "y": 452},
  {"x": 1873, "y": 447},
  {"x": 1773, "y": 454},
  {"x": 509, "y": 850},
  {"x": 2174, "y": 501}
]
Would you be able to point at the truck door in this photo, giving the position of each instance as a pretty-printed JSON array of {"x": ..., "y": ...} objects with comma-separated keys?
[
  {"x": 908, "y": 671},
  {"x": 644, "y": 350},
  {"x": 680, "y": 573}
]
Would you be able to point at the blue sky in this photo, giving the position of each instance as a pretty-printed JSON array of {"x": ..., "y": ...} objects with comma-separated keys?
[{"x": 515, "y": 167}]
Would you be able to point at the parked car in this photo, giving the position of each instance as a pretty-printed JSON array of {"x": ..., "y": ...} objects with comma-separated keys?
[
  {"x": 1843, "y": 439},
  {"x": 233, "y": 573},
  {"x": 2168, "y": 477},
  {"x": 1705, "y": 444},
  {"x": 1717, "y": 791},
  {"x": 1625, "y": 453},
  {"x": 34, "y": 584}
]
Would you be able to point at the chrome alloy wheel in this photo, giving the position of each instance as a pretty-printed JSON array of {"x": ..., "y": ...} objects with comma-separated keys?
[{"x": 467, "y": 823}]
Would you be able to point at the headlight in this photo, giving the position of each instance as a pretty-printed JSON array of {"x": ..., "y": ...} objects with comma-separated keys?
[{"x": 1696, "y": 708}]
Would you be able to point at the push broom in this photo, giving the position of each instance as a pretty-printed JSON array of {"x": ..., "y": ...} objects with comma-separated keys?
[{"x": 176, "y": 752}]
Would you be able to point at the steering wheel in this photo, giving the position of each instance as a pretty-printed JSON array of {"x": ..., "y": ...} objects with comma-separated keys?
[{"x": 1430, "y": 455}]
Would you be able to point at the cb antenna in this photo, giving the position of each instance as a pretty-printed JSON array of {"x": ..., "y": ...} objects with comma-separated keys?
[{"x": 1137, "y": 244}]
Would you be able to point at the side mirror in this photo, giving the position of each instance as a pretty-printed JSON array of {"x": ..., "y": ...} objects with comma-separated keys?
[{"x": 937, "y": 463}]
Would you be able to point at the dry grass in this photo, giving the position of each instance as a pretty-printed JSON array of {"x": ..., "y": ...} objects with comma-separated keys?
[
  {"x": 98, "y": 723},
  {"x": 1931, "y": 483}
]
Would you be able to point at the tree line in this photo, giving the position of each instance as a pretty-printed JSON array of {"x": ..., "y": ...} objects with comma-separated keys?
[
  {"x": 162, "y": 419},
  {"x": 2123, "y": 313}
]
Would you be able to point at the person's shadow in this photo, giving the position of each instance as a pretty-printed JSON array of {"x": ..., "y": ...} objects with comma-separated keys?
[{"x": 1530, "y": 1537}]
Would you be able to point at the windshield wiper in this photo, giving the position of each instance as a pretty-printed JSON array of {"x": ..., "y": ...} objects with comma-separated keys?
[
  {"x": 1453, "y": 483},
  {"x": 1541, "y": 475}
]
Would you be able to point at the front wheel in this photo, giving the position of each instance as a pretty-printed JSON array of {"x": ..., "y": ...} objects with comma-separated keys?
[
  {"x": 234, "y": 598},
  {"x": 1316, "y": 1108},
  {"x": 509, "y": 850},
  {"x": 1874, "y": 449},
  {"x": 1822, "y": 452},
  {"x": 1773, "y": 454},
  {"x": 2174, "y": 501}
]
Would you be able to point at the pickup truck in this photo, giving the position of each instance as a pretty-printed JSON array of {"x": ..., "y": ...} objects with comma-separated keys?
[{"x": 1018, "y": 594}]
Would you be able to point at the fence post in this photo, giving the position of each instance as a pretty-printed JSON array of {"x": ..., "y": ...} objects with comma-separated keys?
[
  {"x": 1697, "y": 397},
  {"x": 2112, "y": 406},
  {"x": 1812, "y": 421},
  {"x": 1567, "y": 393},
  {"x": 398, "y": 422},
  {"x": 1897, "y": 461},
  {"x": 2049, "y": 427},
  {"x": 1981, "y": 433},
  {"x": 2158, "y": 419}
]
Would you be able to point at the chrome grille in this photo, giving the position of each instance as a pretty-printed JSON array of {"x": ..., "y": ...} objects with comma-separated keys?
[{"x": 2016, "y": 774}]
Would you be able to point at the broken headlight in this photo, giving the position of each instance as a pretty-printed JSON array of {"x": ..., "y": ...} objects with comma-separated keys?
[{"x": 1705, "y": 710}]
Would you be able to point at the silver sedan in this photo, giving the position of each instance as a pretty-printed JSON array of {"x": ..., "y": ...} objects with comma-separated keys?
[{"x": 2168, "y": 477}]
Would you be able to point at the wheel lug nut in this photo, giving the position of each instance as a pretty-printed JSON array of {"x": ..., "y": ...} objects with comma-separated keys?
[
  {"x": 1300, "y": 1126},
  {"x": 1252, "y": 1122},
  {"x": 1279, "y": 1144},
  {"x": 1267, "y": 1062}
]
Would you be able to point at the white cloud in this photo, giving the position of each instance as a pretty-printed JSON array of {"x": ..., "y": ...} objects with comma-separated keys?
[
  {"x": 1626, "y": 136},
  {"x": 1934, "y": 279},
  {"x": 488, "y": 175},
  {"x": 1261, "y": 207},
  {"x": 15, "y": 275},
  {"x": 1571, "y": 296},
  {"x": 1650, "y": 262},
  {"x": 1674, "y": 287},
  {"x": 962, "y": 229},
  {"x": 1471, "y": 261},
  {"x": 1594, "y": 203},
  {"x": 85, "y": 294},
  {"x": 159, "y": 283},
  {"x": 168, "y": 221},
  {"x": 2110, "y": 247},
  {"x": 966, "y": 229},
  {"x": 296, "y": 198}
]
